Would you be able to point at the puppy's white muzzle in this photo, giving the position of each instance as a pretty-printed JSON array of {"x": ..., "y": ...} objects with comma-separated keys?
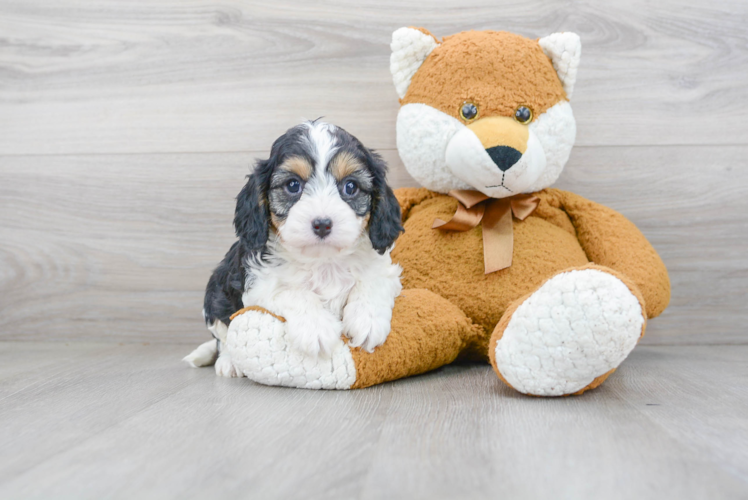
[{"x": 321, "y": 202}]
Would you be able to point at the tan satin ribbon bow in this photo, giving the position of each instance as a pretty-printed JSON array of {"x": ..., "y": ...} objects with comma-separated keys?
[{"x": 496, "y": 216}]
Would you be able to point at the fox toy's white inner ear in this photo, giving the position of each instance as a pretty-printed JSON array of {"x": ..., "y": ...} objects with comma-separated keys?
[
  {"x": 410, "y": 47},
  {"x": 565, "y": 50}
]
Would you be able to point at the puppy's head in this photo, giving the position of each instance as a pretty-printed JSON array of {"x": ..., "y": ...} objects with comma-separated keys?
[{"x": 320, "y": 191}]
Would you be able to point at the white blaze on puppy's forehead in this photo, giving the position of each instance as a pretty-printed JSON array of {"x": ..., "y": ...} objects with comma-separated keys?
[
  {"x": 410, "y": 47},
  {"x": 322, "y": 142}
]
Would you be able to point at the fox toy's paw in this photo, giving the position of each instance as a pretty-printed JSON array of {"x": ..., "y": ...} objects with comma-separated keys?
[
  {"x": 569, "y": 335},
  {"x": 260, "y": 347}
]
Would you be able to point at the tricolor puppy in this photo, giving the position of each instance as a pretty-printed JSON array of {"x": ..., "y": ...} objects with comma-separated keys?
[{"x": 315, "y": 223}]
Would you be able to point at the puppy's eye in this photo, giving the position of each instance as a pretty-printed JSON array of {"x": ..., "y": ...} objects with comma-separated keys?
[
  {"x": 293, "y": 186},
  {"x": 523, "y": 115},
  {"x": 468, "y": 111},
  {"x": 350, "y": 188}
]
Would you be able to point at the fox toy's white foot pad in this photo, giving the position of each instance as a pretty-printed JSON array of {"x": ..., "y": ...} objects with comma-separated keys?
[
  {"x": 577, "y": 326},
  {"x": 258, "y": 346}
]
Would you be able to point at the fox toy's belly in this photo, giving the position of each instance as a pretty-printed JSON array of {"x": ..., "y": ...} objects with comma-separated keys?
[{"x": 450, "y": 263}]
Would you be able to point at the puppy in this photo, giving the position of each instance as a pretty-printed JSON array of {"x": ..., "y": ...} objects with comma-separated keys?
[{"x": 316, "y": 222}]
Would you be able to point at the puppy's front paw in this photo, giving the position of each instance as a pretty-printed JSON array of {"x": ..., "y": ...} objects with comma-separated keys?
[
  {"x": 225, "y": 368},
  {"x": 314, "y": 333},
  {"x": 366, "y": 325}
]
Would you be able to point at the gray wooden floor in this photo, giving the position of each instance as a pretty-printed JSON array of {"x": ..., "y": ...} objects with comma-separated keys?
[
  {"x": 126, "y": 130},
  {"x": 83, "y": 420}
]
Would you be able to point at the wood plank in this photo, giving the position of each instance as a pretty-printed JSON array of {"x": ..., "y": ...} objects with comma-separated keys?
[
  {"x": 25, "y": 364},
  {"x": 47, "y": 411},
  {"x": 174, "y": 76},
  {"x": 660, "y": 388},
  {"x": 121, "y": 246},
  {"x": 604, "y": 445},
  {"x": 657, "y": 429}
]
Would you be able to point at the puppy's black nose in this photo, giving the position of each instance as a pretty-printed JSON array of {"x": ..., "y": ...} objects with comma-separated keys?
[
  {"x": 321, "y": 227},
  {"x": 504, "y": 156}
]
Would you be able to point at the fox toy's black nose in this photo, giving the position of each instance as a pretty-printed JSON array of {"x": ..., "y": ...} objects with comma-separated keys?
[
  {"x": 321, "y": 227},
  {"x": 504, "y": 156}
]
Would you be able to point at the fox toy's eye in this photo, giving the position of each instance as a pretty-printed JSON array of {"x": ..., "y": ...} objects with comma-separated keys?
[
  {"x": 468, "y": 111},
  {"x": 523, "y": 115},
  {"x": 293, "y": 186},
  {"x": 350, "y": 188}
]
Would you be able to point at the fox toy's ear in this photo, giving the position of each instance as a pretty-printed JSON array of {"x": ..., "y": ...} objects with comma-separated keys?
[
  {"x": 564, "y": 49},
  {"x": 410, "y": 47}
]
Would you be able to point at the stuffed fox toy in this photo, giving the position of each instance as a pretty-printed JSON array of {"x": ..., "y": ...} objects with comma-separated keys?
[{"x": 552, "y": 289}]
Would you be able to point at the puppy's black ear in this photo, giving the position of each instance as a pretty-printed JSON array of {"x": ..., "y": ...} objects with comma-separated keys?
[
  {"x": 252, "y": 215},
  {"x": 385, "y": 224}
]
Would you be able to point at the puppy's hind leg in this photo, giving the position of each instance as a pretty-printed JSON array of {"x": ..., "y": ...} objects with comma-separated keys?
[
  {"x": 205, "y": 354},
  {"x": 211, "y": 353},
  {"x": 208, "y": 354},
  {"x": 224, "y": 366}
]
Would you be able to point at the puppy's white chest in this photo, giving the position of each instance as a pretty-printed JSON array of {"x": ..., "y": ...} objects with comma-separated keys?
[{"x": 332, "y": 282}]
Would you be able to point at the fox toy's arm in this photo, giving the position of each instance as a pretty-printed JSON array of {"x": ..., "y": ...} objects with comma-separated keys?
[
  {"x": 610, "y": 239},
  {"x": 410, "y": 197}
]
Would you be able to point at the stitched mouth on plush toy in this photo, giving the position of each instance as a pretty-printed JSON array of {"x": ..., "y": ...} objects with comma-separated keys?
[{"x": 503, "y": 175}]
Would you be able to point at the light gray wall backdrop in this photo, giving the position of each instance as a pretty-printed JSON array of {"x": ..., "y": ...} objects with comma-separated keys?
[{"x": 126, "y": 130}]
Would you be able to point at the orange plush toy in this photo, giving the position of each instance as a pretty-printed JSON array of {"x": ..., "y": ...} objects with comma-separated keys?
[{"x": 552, "y": 289}]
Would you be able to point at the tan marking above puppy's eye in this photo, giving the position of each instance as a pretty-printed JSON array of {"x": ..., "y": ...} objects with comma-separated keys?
[
  {"x": 298, "y": 166},
  {"x": 344, "y": 164}
]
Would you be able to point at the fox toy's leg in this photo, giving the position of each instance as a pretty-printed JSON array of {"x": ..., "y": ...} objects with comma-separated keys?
[
  {"x": 427, "y": 332},
  {"x": 570, "y": 334}
]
